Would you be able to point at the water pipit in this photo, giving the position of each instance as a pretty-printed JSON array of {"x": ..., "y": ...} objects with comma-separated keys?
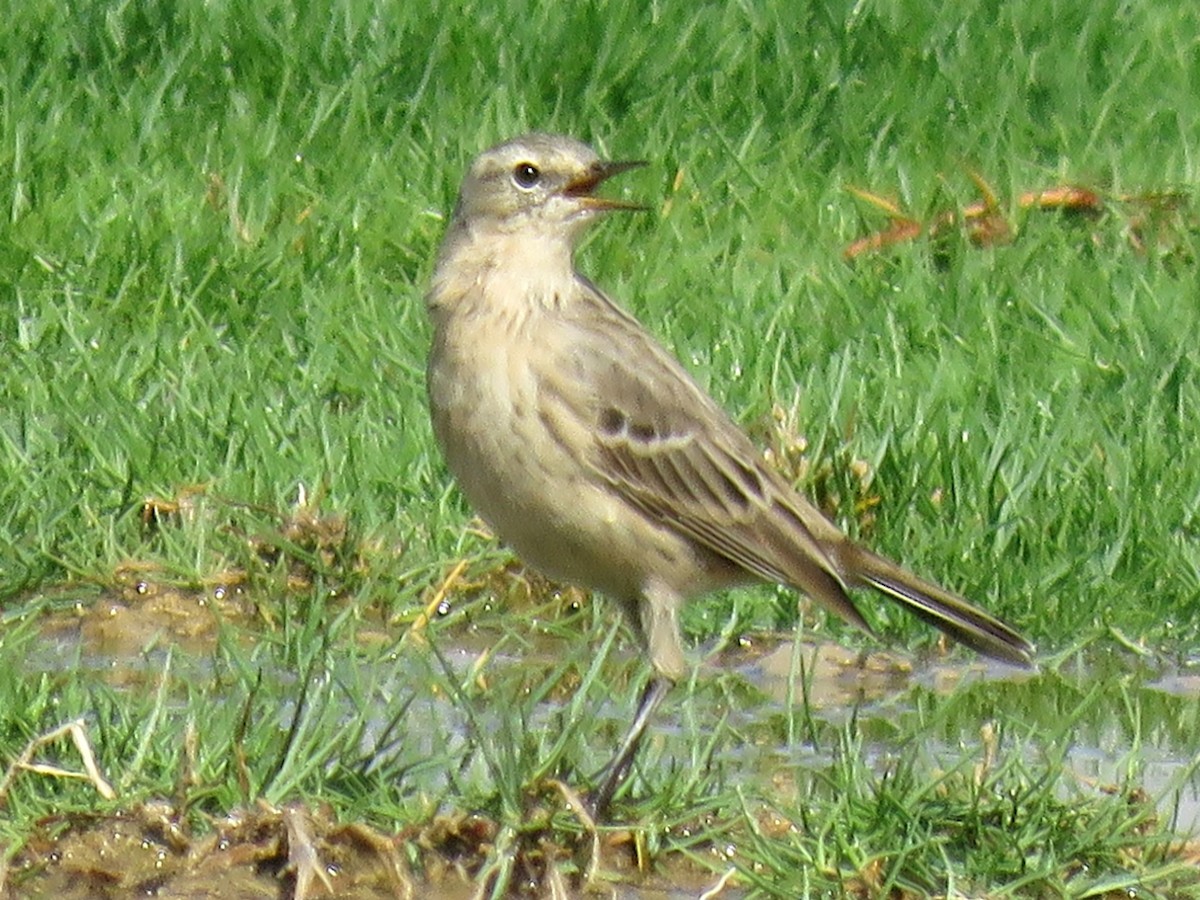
[{"x": 595, "y": 455}]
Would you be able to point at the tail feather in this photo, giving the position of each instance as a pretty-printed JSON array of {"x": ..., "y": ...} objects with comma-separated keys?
[{"x": 954, "y": 615}]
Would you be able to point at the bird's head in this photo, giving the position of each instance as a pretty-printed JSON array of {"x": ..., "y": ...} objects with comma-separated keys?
[{"x": 538, "y": 181}]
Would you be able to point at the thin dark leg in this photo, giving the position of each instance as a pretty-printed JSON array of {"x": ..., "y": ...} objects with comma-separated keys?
[{"x": 614, "y": 772}]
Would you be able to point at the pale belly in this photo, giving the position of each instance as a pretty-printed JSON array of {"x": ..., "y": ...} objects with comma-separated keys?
[{"x": 555, "y": 513}]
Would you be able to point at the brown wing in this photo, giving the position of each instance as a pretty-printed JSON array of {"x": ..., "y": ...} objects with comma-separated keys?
[{"x": 663, "y": 445}]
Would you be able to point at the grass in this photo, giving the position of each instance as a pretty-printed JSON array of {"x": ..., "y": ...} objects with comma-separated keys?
[{"x": 219, "y": 222}]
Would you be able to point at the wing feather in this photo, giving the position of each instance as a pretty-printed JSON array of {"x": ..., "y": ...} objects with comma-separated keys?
[
  {"x": 634, "y": 418},
  {"x": 664, "y": 446}
]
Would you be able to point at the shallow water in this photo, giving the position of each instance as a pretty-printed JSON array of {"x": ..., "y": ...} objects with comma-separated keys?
[
  {"x": 1143, "y": 727},
  {"x": 1149, "y": 726}
]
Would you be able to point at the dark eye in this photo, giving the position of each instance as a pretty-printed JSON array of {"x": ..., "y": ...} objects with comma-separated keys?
[{"x": 526, "y": 175}]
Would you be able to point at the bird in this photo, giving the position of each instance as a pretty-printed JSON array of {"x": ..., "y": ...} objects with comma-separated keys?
[{"x": 596, "y": 456}]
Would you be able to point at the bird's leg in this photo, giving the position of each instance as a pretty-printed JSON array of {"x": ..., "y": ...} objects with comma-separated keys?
[{"x": 614, "y": 772}]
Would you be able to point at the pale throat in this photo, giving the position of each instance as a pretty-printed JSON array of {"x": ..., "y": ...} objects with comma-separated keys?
[{"x": 533, "y": 265}]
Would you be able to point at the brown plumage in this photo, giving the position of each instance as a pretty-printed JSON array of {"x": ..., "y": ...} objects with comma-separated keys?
[{"x": 592, "y": 451}]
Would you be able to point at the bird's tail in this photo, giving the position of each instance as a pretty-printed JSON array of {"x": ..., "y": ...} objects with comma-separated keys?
[{"x": 954, "y": 615}]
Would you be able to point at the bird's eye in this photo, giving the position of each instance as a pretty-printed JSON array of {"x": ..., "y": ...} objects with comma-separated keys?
[{"x": 526, "y": 175}]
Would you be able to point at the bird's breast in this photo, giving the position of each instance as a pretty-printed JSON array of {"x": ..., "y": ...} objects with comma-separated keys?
[{"x": 516, "y": 473}]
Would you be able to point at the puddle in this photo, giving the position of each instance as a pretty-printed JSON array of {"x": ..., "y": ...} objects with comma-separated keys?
[
  {"x": 1158, "y": 749},
  {"x": 1149, "y": 732}
]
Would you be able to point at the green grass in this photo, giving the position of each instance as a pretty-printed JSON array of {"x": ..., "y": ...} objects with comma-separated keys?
[{"x": 218, "y": 224}]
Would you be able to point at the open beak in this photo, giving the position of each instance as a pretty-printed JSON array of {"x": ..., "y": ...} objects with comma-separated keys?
[{"x": 582, "y": 187}]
